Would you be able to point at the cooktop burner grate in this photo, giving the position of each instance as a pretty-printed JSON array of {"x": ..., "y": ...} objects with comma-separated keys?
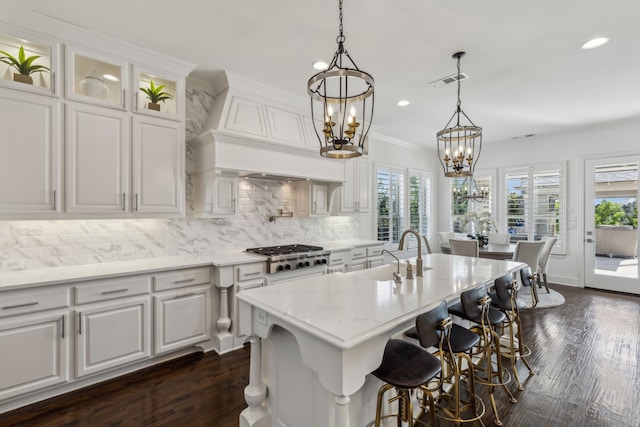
[{"x": 284, "y": 249}]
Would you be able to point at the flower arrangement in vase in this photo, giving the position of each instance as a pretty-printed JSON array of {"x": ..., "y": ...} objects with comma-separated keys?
[
  {"x": 24, "y": 65},
  {"x": 483, "y": 223},
  {"x": 155, "y": 95}
]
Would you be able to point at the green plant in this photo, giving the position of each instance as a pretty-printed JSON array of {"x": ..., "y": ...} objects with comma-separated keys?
[
  {"x": 23, "y": 64},
  {"x": 155, "y": 94}
]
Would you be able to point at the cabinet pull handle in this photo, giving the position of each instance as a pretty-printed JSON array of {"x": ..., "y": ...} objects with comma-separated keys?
[
  {"x": 79, "y": 323},
  {"x": 124, "y": 201},
  {"x": 117, "y": 291},
  {"x": 234, "y": 205},
  {"x": 124, "y": 99},
  {"x": 136, "y": 104},
  {"x": 190, "y": 294},
  {"x": 53, "y": 86},
  {"x": 28, "y": 304},
  {"x": 62, "y": 334},
  {"x": 337, "y": 261},
  {"x": 184, "y": 280},
  {"x": 253, "y": 274},
  {"x": 54, "y": 200},
  {"x": 136, "y": 201},
  {"x": 315, "y": 207}
]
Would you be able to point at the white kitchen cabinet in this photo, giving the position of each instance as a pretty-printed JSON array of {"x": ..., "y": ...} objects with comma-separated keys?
[
  {"x": 35, "y": 353},
  {"x": 48, "y": 51},
  {"x": 182, "y": 308},
  {"x": 338, "y": 261},
  {"x": 225, "y": 195},
  {"x": 355, "y": 195},
  {"x": 182, "y": 318},
  {"x": 368, "y": 256},
  {"x": 171, "y": 108},
  {"x": 112, "y": 334},
  {"x": 158, "y": 166},
  {"x": 312, "y": 199},
  {"x": 98, "y": 151},
  {"x": 94, "y": 78},
  {"x": 31, "y": 162}
]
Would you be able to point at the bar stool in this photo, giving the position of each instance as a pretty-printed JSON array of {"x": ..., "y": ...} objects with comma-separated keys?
[
  {"x": 406, "y": 367},
  {"x": 435, "y": 329},
  {"x": 505, "y": 298},
  {"x": 475, "y": 306}
]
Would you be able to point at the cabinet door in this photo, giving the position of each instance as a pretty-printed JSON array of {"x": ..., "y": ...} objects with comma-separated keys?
[
  {"x": 363, "y": 189},
  {"x": 348, "y": 190},
  {"x": 182, "y": 319},
  {"x": 96, "y": 79},
  {"x": 111, "y": 335},
  {"x": 158, "y": 166},
  {"x": 30, "y": 164},
  {"x": 172, "y": 104},
  {"x": 98, "y": 150},
  {"x": 224, "y": 195},
  {"x": 34, "y": 353},
  {"x": 320, "y": 196}
]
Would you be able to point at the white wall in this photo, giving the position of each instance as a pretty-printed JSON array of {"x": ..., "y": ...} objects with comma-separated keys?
[{"x": 573, "y": 147}]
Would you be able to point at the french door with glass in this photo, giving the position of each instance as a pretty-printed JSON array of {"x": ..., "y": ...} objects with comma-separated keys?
[{"x": 611, "y": 224}]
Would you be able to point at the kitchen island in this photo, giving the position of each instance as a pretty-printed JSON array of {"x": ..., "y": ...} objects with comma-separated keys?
[{"x": 315, "y": 341}]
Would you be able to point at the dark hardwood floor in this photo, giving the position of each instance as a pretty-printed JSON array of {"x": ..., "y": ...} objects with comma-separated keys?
[{"x": 586, "y": 358}]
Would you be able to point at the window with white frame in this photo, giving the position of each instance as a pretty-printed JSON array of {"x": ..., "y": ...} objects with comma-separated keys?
[
  {"x": 460, "y": 204},
  {"x": 404, "y": 201},
  {"x": 391, "y": 203},
  {"x": 534, "y": 203},
  {"x": 420, "y": 218}
]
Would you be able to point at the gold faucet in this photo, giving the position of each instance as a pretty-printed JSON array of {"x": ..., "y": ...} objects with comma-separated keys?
[{"x": 419, "y": 259}]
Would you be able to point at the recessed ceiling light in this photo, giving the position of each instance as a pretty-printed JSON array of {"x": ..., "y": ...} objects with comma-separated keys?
[
  {"x": 320, "y": 65},
  {"x": 596, "y": 42},
  {"x": 110, "y": 77},
  {"x": 403, "y": 103}
]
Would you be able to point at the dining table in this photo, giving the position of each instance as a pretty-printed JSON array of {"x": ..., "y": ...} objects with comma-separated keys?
[{"x": 490, "y": 250}]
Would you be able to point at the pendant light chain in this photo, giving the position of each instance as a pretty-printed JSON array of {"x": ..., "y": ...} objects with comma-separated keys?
[
  {"x": 458, "y": 79},
  {"x": 341, "y": 37}
]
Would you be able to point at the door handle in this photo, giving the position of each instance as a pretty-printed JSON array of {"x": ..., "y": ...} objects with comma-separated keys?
[{"x": 588, "y": 240}]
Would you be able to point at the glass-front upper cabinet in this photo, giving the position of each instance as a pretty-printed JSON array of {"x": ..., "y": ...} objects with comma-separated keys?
[
  {"x": 158, "y": 95},
  {"x": 95, "y": 79},
  {"x": 28, "y": 63}
]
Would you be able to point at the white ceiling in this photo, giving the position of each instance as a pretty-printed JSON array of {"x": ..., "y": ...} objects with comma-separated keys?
[{"x": 527, "y": 72}]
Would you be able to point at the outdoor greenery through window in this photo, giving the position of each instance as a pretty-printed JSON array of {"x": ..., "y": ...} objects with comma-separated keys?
[
  {"x": 460, "y": 205},
  {"x": 404, "y": 201},
  {"x": 534, "y": 203}
]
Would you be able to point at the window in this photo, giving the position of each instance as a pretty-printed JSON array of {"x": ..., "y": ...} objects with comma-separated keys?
[
  {"x": 460, "y": 205},
  {"x": 420, "y": 204},
  {"x": 391, "y": 203},
  {"x": 534, "y": 203},
  {"x": 404, "y": 201}
]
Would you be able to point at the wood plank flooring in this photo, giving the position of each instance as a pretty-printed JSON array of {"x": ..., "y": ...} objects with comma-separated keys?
[{"x": 586, "y": 358}]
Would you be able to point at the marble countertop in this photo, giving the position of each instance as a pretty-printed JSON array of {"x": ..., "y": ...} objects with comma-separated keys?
[
  {"x": 56, "y": 275},
  {"x": 346, "y": 309}
]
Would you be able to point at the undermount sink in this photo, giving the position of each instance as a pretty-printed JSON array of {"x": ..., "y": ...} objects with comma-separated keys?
[{"x": 386, "y": 272}]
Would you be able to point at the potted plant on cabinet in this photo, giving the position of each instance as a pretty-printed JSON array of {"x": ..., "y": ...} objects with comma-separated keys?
[
  {"x": 155, "y": 95},
  {"x": 24, "y": 65}
]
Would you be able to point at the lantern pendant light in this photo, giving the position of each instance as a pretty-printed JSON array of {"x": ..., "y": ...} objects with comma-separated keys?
[
  {"x": 460, "y": 142},
  {"x": 341, "y": 104}
]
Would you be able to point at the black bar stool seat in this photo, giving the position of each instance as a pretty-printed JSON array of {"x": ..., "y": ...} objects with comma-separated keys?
[
  {"x": 495, "y": 317},
  {"x": 461, "y": 339},
  {"x": 406, "y": 365}
]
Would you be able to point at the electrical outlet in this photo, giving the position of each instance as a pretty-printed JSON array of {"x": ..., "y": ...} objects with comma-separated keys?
[
  {"x": 261, "y": 316},
  {"x": 13, "y": 264}
]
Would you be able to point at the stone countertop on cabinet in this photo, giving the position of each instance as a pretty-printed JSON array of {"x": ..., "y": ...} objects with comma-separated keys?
[
  {"x": 23, "y": 279},
  {"x": 337, "y": 245}
]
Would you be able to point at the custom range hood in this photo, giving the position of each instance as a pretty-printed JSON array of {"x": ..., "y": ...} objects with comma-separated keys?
[{"x": 258, "y": 131}]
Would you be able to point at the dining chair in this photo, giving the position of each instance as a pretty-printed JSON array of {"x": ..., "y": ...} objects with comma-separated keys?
[
  {"x": 529, "y": 253},
  {"x": 444, "y": 236},
  {"x": 543, "y": 259},
  {"x": 427, "y": 245},
  {"x": 499, "y": 238},
  {"x": 464, "y": 247}
]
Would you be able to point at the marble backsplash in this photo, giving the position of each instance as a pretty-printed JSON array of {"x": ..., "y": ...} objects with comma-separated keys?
[{"x": 41, "y": 244}]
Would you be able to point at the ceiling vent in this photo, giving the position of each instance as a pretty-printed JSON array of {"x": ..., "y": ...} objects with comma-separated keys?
[{"x": 449, "y": 79}]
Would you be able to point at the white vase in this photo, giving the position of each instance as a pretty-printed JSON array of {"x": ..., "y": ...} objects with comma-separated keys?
[{"x": 94, "y": 87}]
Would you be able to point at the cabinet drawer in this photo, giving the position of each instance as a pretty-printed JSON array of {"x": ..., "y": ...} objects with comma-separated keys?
[
  {"x": 182, "y": 278},
  {"x": 32, "y": 300},
  {"x": 375, "y": 250},
  {"x": 358, "y": 253},
  {"x": 102, "y": 290},
  {"x": 250, "y": 271}
]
